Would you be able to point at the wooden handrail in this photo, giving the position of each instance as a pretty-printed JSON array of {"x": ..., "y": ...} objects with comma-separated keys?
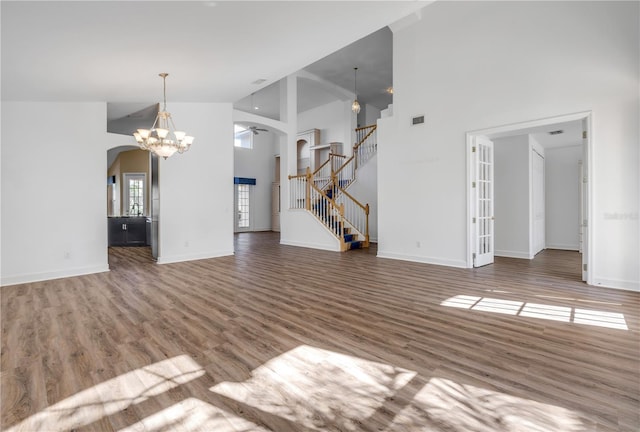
[
  {"x": 365, "y": 127},
  {"x": 331, "y": 201},
  {"x": 297, "y": 176},
  {"x": 321, "y": 166},
  {"x": 364, "y": 207}
]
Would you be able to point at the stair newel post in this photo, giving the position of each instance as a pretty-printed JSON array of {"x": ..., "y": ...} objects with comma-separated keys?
[
  {"x": 341, "y": 209},
  {"x": 366, "y": 235},
  {"x": 334, "y": 182},
  {"x": 308, "y": 189}
]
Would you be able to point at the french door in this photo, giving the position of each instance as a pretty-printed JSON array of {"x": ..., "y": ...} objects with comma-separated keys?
[
  {"x": 243, "y": 207},
  {"x": 482, "y": 188}
]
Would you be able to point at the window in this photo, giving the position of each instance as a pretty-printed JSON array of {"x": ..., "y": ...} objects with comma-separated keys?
[
  {"x": 134, "y": 194},
  {"x": 243, "y": 137}
]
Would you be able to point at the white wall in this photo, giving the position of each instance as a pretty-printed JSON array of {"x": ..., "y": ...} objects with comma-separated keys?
[
  {"x": 511, "y": 190},
  {"x": 304, "y": 230},
  {"x": 258, "y": 163},
  {"x": 335, "y": 121},
  {"x": 562, "y": 181},
  {"x": 371, "y": 115},
  {"x": 54, "y": 221},
  {"x": 196, "y": 188},
  {"x": 474, "y": 65}
]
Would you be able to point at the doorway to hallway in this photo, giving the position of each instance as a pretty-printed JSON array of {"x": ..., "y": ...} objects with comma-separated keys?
[{"x": 521, "y": 209}]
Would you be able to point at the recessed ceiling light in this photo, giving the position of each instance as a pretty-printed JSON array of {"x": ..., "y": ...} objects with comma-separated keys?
[{"x": 259, "y": 81}]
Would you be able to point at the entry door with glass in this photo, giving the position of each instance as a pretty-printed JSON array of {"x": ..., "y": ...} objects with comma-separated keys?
[{"x": 243, "y": 207}]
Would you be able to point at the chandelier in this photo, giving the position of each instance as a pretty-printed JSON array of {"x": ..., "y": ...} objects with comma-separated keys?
[
  {"x": 355, "y": 106},
  {"x": 163, "y": 139}
]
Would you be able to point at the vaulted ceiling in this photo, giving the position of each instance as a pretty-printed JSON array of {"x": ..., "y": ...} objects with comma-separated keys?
[{"x": 214, "y": 51}]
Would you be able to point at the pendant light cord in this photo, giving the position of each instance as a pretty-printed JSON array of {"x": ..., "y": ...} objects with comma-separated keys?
[
  {"x": 355, "y": 81},
  {"x": 164, "y": 88}
]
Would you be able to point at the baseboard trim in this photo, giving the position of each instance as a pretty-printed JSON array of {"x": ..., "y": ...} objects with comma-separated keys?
[
  {"x": 564, "y": 247},
  {"x": 193, "y": 257},
  {"x": 59, "y": 274},
  {"x": 422, "y": 259},
  {"x": 512, "y": 254},
  {"x": 617, "y": 284}
]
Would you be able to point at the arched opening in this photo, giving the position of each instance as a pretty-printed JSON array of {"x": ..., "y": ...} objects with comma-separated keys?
[
  {"x": 303, "y": 153},
  {"x": 132, "y": 180}
]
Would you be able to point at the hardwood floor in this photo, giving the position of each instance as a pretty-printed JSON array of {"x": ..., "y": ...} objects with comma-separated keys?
[{"x": 291, "y": 339}]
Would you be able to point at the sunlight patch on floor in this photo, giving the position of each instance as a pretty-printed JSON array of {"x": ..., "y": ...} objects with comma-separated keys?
[
  {"x": 112, "y": 396},
  {"x": 600, "y": 318},
  {"x": 443, "y": 404},
  {"x": 612, "y": 320},
  {"x": 316, "y": 388},
  {"x": 542, "y": 311},
  {"x": 508, "y": 307},
  {"x": 192, "y": 414}
]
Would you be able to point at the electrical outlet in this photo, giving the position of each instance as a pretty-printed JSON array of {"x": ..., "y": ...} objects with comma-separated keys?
[
  {"x": 418, "y": 244},
  {"x": 67, "y": 255},
  {"x": 186, "y": 243}
]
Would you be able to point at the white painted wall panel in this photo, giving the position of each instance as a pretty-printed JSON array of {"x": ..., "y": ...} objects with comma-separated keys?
[
  {"x": 563, "y": 197},
  {"x": 511, "y": 188},
  {"x": 54, "y": 220},
  {"x": 196, "y": 188}
]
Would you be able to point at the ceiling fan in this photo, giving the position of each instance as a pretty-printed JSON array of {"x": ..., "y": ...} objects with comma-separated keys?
[{"x": 256, "y": 129}]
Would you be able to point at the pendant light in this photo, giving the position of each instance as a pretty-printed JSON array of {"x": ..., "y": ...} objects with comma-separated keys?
[{"x": 355, "y": 106}]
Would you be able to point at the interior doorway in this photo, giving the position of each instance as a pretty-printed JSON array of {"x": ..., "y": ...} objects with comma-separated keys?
[
  {"x": 132, "y": 200},
  {"x": 533, "y": 199}
]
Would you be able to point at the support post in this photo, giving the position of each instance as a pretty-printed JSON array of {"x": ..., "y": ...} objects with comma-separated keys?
[{"x": 308, "y": 189}]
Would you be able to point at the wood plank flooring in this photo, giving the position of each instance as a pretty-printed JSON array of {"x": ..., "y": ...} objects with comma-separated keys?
[{"x": 290, "y": 339}]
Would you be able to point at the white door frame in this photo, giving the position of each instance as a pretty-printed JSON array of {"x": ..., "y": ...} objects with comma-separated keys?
[
  {"x": 533, "y": 232},
  {"x": 587, "y": 152}
]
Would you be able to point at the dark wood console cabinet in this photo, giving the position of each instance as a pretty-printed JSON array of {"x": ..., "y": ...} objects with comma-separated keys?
[{"x": 127, "y": 231}]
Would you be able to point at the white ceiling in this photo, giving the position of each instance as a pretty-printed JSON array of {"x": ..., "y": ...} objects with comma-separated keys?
[
  {"x": 213, "y": 50},
  {"x": 372, "y": 55}
]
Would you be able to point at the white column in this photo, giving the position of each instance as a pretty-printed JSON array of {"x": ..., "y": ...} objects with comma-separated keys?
[{"x": 288, "y": 159}]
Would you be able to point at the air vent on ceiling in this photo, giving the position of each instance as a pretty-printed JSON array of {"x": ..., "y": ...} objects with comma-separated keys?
[
  {"x": 259, "y": 81},
  {"x": 556, "y": 132}
]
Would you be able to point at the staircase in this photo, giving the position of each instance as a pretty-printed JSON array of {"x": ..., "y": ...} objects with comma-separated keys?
[{"x": 324, "y": 193}]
